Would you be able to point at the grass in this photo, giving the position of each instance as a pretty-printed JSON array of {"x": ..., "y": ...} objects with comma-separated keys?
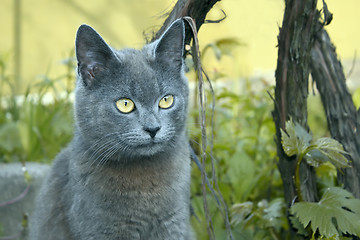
[{"x": 36, "y": 125}]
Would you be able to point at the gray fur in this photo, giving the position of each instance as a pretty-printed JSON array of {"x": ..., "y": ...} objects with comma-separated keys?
[{"x": 114, "y": 181}]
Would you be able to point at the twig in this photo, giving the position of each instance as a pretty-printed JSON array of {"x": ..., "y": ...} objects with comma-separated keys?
[
  {"x": 224, "y": 210},
  {"x": 198, "y": 69},
  {"x": 218, "y": 196}
]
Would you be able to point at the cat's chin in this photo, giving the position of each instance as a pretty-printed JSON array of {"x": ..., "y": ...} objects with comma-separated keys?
[{"x": 149, "y": 150}]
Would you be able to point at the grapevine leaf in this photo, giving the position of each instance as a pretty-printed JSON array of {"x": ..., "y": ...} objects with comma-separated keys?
[
  {"x": 337, "y": 211},
  {"x": 315, "y": 158},
  {"x": 327, "y": 150},
  {"x": 295, "y": 140},
  {"x": 330, "y": 144},
  {"x": 288, "y": 143},
  {"x": 334, "y": 151},
  {"x": 296, "y": 224},
  {"x": 337, "y": 159}
]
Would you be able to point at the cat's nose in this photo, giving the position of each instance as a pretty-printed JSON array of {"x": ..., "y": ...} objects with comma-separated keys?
[{"x": 152, "y": 130}]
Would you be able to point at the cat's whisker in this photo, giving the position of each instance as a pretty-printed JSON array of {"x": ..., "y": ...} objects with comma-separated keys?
[
  {"x": 96, "y": 147},
  {"x": 102, "y": 150},
  {"x": 107, "y": 155}
]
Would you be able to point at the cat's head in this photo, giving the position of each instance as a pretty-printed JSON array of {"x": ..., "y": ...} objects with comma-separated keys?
[{"x": 130, "y": 103}]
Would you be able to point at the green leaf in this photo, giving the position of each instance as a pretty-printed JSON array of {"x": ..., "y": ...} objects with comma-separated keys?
[
  {"x": 334, "y": 151},
  {"x": 337, "y": 212},
  {"x": 241, "y": 172},
  {"x": 295, "y": 140},
  {"x": 274, "y": 213},
  {"x": 315, "y": 158},
  {"x": 296, "y": 224},
  {"x": 240, "y": 212},
  {"x": 327, "y": 150},
  {"x": 337, "y": 159},
  {"x": 330, "y": 144}
]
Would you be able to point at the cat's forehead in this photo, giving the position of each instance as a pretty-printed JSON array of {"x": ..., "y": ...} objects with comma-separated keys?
[
  {"x": 135, "y": 73},
  {"x": 133, "y": 55},
  {"x": 136, "y": 64}
]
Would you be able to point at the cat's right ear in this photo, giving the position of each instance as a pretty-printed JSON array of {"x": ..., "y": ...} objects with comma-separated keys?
[{"x": 92, "y": 53}]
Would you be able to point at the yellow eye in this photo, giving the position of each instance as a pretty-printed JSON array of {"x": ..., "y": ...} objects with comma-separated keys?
[
  {"x": 166, "y": 101},
  {"x": 125, "y": 105}
]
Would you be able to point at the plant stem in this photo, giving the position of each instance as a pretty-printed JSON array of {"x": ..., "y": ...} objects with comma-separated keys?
[
  {"x": 297, "y": 177},
  {"x": 297, "y": 172}
]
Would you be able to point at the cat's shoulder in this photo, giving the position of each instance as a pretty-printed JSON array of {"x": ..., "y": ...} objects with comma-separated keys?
[{"x": 60, "y": 166}]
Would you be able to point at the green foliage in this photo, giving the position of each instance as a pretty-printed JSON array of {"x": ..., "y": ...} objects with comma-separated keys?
[
  {"x": 246, "y": 164},
  {"x": 337, "y": 213},
  {"x": 35, "y": 126},
  {"x": 297, "y": 141},
  {"x": 327, "y": 150},
  {"x": 266, "y": 217}
]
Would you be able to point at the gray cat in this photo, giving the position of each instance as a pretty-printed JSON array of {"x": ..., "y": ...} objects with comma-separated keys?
[{"x": 126, "y": 173}]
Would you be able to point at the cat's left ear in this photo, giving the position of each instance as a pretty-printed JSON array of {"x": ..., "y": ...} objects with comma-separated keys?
[{"x": 170, "y": 47}]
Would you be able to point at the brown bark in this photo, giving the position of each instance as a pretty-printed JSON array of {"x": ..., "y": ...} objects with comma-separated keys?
[
  {"x": 196, "y": 9},
  {"x": 291, "y": 91},
  {"x": 342, "y": 117}
]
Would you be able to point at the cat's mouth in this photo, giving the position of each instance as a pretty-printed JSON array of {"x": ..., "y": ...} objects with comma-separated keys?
[
  {"x": 150, "y": 147},
  {"x": 150, "y": 144},
  {"x": 146, "y": 147}
]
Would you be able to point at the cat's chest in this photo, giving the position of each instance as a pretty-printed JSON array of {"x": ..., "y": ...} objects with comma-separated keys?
[
  {"x": 132, "y": 222},
  {"x": 131, "y": 214}
]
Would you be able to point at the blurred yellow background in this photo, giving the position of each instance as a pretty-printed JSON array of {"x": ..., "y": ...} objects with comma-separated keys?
[{"x": 49, "y": 26}]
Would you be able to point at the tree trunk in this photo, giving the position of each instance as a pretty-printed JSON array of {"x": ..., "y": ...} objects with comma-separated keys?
[
  {"x": 295, "y": 41},
  {"x": 343, "y": 120},
  {"x": 196, "y": 9}
]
